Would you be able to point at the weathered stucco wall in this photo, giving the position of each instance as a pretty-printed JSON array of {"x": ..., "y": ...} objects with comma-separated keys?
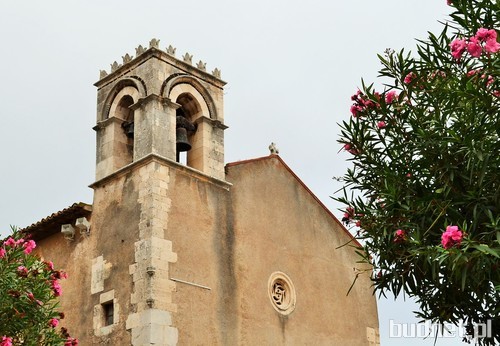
[{"x": 279, "y": 226}]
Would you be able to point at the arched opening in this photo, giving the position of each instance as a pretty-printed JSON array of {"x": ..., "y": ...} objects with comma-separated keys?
[
  {"x": 125, "y": 113},
  {"x": 186, "y": 127}
]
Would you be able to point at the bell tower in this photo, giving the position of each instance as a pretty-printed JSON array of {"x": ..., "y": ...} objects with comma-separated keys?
[
  {"x": 160, "y": 158},
  {"x": 155, "y": 104}
]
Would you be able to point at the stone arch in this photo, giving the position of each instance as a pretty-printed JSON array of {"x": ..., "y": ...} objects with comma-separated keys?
[
  {"x": 128, "y": 86},
  {"x": 120, "y": 103},
  {"x": 183, "y": 84}
]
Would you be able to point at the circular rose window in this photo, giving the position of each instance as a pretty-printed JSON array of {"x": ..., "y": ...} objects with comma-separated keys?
[{"x": 281, "y": 293}]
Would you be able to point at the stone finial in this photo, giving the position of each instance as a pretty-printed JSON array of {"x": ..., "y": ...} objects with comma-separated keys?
[
  {"x": 154, "y": 43},
  {"x": 126, "y": 58},
  {"x": 216, "y": 73},
  {"x": 188, "y": 58},
  {"x": 102, "y": 74},
  {"x": 115, "y": 66},
  {"x": 139, "y": 50},
  {"x": 171, "y": 50},
  {"x": 273, "y": 149},
  {"x": 201, "y": 65}
]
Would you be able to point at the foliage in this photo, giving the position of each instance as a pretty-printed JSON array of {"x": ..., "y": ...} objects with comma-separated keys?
[
  {"x": 423, "y": 191},
  {"x": 28, "y": 291}
]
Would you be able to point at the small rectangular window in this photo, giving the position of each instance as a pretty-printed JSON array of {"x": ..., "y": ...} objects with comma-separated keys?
[{"x": 109, "y": 310}]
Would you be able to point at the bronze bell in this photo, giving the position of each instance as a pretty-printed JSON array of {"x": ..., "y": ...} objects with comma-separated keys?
[
  {"x": 182, "y": 139},
  {"x": 128, "y": 127}
]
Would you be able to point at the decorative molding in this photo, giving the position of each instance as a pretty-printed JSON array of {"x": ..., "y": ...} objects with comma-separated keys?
[
  {"x": 126, "y": 59},
  {"x": 216, "y": 73},
  {"x": 139, "y": 50},
  {"x": 102, "y": 74},
  {"x": 115, "y": 66},
  {"x": 201, "y": 65},
  {"x": 187, "y": 58},
  {"x": 171, "y": 50},
  {"x": 154, "y": 43}
]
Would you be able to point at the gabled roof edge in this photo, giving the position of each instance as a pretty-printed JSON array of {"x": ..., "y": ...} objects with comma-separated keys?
[{"x": 275, "y": 156}]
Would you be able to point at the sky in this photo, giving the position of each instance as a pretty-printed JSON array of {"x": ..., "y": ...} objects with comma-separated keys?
[{"x": 291, "y": 67}]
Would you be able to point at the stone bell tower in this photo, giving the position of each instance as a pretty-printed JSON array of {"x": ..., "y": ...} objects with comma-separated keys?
[
  {"x": 142, "y": 103},
  {"x": 160, "y": 149}
]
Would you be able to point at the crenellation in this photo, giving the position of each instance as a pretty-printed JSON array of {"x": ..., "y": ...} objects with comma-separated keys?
[
  {"x": 126, "y": 58},
  {"x": 154, "y": 43},
  {"x": 201, "y": 66},
  {"x": 115, "y": 66},
  {"x": 139, "y": 50},
  {"x": 216, "y": 73},
  {"x": 171, "y": 50},
  {"x": 187, "y": 58}
]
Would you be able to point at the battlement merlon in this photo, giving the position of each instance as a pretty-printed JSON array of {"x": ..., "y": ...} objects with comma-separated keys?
[{"x": 168, "y": 57}]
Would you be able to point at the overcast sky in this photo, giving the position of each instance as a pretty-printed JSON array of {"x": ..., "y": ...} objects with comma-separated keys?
[{"x": 291, "y": 67}]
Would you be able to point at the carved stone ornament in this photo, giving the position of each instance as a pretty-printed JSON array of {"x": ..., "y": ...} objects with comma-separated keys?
[
  {"x": 115, "y": 66},
  {"x": 188, "y": 58},
  {"x": 102, "y": 74},
  {"x": 126, "y": 58},
  {"x": 171, "y": 50},
  {"x": 282, "y": 293},
  {"x": 139, "y": 50},
  {"x": 201, "y": 65},
  {"x": 216, "y": 73},
  {"x": 154, "y": 43}
]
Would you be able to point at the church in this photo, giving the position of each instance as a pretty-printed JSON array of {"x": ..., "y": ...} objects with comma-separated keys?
[{"x": 179, "y": 247}]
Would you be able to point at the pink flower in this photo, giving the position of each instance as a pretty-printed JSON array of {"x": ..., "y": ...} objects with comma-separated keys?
[
  {"x": 492, "y": 46},
  {"x": 381, "y": 124},
  {"x": 54, "y": 322},
  {"x": 458, "y": 47},
  {"x": 49, "y": 265},
  {"x": 56, "y": 287},
  {"x": 400, "y": 236},
  {"x": 30, "y": 296},
  {"x": 6, "y": 341},
  {"x": 448, "y": 2},
  {"x": 391, "y": 96},
  {"x": 347, "y": 146},
  {"x": 10, "y": 242},
  {"x": 29, "y": 246},
  {"x": 474, "y": 47},
  {"x": 473, "y": 72},
  {"x": 356, "y": 95},
  {"x": 409, "y": 77},
  {"x": 355, "y": 109},
  {"x": 22, "y": 271},
  {"x": 358, "y": 223},
  {"x": 2, "y": 252},
  {"x": 70, "y": 342},
  {"x": 451, "y": 237},
  {"x": 484, "y": 34}
]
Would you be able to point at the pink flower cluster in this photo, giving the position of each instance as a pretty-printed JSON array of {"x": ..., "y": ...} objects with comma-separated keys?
[
  {"x": 362, "y": 103},
  {"x": 484, "y": 39},
  {"x": 11, "y": 242},
  {"x": 6, "y": 341},
  {"x": 409, "y": 77},
  {"x": 391, "y": 96},
  {"x": 451, "y": 237}
]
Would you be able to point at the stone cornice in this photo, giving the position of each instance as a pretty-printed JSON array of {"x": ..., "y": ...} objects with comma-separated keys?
[
  {"x": 103, "y": 123},
  {"x": 162, "y": 160}
]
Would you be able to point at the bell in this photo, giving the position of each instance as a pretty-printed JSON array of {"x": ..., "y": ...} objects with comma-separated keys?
[
  {"x": 182, "y": 142},
  {"x": 129, "y": 129}
]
